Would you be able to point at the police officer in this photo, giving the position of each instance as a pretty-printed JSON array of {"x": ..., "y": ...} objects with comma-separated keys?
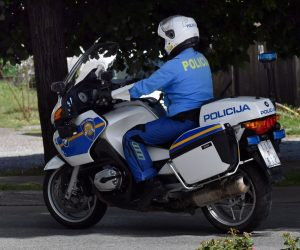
[{"x": 186, "y": 83}]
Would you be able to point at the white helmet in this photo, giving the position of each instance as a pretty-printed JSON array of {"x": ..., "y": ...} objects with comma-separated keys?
[{"x": 178, "y": 30}]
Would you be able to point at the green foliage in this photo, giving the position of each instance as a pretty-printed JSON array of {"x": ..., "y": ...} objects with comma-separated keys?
[
  {"x": 245, "y": 242},
  {"x": 15, "y": 39},
  {"x": 227, "y": 28},
  {"x": 7, "y": 69},
  {"x": 233, "y": 242},
  {"x": 290, "y": 242}
]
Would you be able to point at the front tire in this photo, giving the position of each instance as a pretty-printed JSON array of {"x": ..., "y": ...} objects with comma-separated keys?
[
  {"x": 83, "y": 210},
  {"x": 245, "y": 212}
]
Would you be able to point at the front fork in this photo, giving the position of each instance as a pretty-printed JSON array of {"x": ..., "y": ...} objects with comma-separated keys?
[
  {"x": 56, "y": 163},
  {"x": 72, "y": 183}
]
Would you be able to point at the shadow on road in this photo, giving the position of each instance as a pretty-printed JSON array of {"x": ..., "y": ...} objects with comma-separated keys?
[
  {"x": 36, "y": 134},
  {"x": 28, "y": 222}
]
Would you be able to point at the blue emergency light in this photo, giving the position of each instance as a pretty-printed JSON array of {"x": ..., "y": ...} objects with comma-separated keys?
[{"x": 267, "y": 57}]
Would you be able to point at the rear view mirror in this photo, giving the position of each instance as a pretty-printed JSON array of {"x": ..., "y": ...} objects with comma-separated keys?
[{"x": 58, "y": 87}]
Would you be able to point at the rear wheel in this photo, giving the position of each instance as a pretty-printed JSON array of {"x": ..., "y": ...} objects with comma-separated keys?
[
  {"x": 82, "y": 210},
  {"x": 244, "y": 212}
]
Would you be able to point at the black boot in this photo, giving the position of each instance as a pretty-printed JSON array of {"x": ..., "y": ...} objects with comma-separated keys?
[{"x": 150, "y": 189}]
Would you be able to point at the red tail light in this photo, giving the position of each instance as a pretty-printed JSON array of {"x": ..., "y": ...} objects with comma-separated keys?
[{"x": 262, "y": 126}]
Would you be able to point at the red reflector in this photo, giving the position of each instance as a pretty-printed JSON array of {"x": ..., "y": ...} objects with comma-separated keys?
[{"x": 58, "y": 114}]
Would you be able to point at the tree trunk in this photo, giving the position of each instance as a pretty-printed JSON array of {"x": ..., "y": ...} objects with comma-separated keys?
[{"x": 47, "y": 40}]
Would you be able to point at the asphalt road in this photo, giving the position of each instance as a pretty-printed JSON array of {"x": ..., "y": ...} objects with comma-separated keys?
[{"x": 31, "y": 227}]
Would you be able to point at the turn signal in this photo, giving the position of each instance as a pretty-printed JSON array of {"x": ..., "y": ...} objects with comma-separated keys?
[
  {"x": 58, "y": 114},
  {"x": 262, "y": 126}
]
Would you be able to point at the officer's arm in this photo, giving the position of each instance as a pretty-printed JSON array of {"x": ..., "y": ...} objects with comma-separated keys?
[{"x": 159, "y": 79}]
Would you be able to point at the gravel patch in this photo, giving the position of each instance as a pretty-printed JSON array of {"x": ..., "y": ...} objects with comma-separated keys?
[{"x": 14, "y": 143}]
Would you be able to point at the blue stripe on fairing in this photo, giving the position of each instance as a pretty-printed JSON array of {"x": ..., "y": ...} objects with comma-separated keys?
[{"x": 193, "y": 132}]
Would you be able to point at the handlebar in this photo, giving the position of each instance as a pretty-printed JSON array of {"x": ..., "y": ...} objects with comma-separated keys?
[{"x": 95, "y": 94}]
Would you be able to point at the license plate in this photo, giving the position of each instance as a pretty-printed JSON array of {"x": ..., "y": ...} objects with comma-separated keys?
[{"x": 268, "y": 153}]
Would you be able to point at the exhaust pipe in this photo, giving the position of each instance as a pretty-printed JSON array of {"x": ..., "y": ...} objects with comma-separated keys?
[{"x": 213, "y": 194}]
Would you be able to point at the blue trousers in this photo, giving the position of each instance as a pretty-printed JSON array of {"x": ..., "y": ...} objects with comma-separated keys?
[{"x": 158, "y": 132}]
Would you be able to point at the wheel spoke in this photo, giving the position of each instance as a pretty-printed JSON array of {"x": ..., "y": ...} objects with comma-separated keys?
[
  {"x": 241, "y": 212},
  {"x": 232, "y": 212}
]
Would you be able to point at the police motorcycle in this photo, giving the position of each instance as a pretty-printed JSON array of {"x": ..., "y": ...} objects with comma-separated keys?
[{"x": 225, "y": 167}]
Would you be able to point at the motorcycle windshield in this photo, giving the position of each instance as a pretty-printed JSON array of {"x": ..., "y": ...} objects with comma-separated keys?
[{"x": 96, "y": 60}]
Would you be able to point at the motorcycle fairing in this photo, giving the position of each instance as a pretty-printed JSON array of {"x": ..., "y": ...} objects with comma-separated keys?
[
  {"x": 54, "y": 163},
  {"x": 88, "y": 128},
  {"x": 124, "y": 117}
]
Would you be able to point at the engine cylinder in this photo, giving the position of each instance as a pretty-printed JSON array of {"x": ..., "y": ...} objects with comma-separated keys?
[{"x": 108, "y": 179}]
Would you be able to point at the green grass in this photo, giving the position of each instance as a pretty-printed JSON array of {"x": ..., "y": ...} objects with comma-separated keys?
[
  {"x": 18, "y": 106},
  {"x": 20, "y": 187},
  {"x": 290, "y": 122},
  {"x": 34, "y": 171}
]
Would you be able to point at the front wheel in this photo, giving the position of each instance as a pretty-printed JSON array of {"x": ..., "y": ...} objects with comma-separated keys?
[
  {"x": 244, "y": 212},
  {"x": 82, "y": 210}
]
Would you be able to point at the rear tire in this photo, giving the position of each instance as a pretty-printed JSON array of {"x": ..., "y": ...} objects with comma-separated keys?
[
  {"x": 259, "y": 197},
  {"x": 83, "y": 210}
]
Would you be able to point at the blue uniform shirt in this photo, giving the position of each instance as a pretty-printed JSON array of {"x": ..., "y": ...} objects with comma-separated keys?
[{"x": 185, "y": 80}]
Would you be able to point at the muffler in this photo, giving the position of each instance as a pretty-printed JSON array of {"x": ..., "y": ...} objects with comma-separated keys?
[{"x": 215, "y": 193}]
